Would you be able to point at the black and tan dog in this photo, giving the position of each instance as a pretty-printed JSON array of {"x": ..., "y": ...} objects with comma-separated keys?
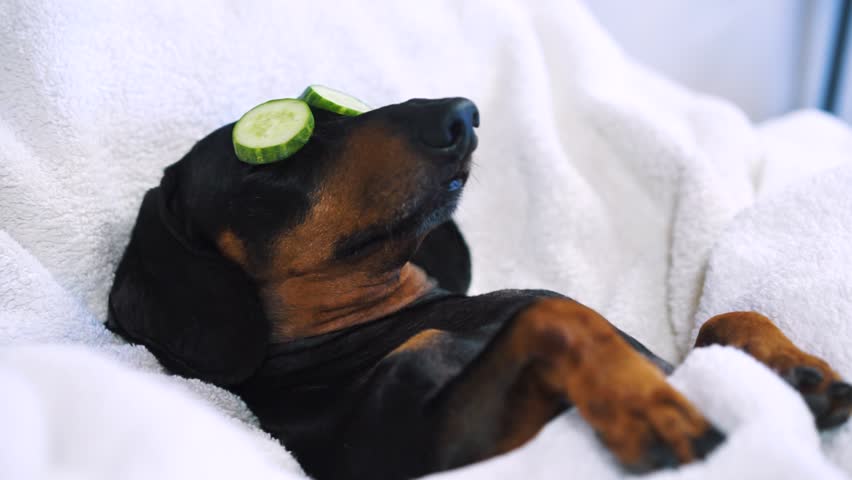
[{"x": 327, "y": 290}]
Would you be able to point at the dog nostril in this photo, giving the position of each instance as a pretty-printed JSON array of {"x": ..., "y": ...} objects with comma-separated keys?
[
  {"x": 448, "y": 123},
  {"x": 457, "y": 129}
]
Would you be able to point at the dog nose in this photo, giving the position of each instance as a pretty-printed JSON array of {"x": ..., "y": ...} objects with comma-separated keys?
[{"x": 448, "y": 123}]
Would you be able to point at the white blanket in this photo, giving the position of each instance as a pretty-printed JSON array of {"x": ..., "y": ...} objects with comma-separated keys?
[{"x": 594, "y": 177}]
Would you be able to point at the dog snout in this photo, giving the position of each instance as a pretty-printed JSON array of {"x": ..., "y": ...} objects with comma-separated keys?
[{"x": 444, "y": 126}]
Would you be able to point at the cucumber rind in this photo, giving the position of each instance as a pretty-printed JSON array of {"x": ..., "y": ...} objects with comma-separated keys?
[
  {"x": 315, "y": 98},
  {"x": 259, "y": 155}
]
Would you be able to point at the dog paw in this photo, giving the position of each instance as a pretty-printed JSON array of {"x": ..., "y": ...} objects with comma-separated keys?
[
  {"x": 651, "y": 428},
  {"x": 625, "y": 398},
  {"x": 827, "y": 396}
]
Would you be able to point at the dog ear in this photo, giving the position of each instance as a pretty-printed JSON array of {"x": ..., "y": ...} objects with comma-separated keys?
[
  {"x": 196, "y": 312},
  {"x": 444, "y": 256}
]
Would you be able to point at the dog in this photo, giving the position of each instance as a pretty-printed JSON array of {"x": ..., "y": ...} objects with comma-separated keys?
[{"x": 328, "y": 291}]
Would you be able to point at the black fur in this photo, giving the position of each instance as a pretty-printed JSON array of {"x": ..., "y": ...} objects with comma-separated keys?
[{"x": 197, "y": 312}]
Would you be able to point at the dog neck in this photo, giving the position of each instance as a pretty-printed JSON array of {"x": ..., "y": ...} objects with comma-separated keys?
[{"x": 319, "y": 303}]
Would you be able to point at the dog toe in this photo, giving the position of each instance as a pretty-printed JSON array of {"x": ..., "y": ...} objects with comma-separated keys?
[
  {"x": 657, "y": 455},
  {"x": 661, "y": 452},
  {"x": 840, "y": 393},
  {"x": 834, "y": 406},
  {"x": 707, "y": 442},
  {"x": 829, "y": 400},
  {"x": 665, "y": 431},
  {"x": 803, "y": 376}
]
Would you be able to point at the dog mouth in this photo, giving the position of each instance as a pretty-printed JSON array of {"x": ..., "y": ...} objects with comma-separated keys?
[
  {"x": 371, "y": 239},
  {"x": 458, "y": 179}
]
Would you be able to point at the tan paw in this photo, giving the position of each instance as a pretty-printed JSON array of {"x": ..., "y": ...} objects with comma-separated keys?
[
  {"x": 661, "y": 431},
  {"x": 826, "y": 394}
]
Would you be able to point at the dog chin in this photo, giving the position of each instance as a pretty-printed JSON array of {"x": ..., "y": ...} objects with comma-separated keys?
[{"x": 442, "y": 213}]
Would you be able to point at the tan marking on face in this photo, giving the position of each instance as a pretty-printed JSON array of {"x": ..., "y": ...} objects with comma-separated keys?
[
  {"x": 232, "y": 248},
  {"x": 370, "y": 183},
  {"x": 316, "y": 304}
]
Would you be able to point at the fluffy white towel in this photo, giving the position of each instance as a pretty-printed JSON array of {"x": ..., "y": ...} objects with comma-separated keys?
[
  {"x": 791, "y": 258},
  {"x": 595, "y": 178},
  {"x": 75, "y": 414}
]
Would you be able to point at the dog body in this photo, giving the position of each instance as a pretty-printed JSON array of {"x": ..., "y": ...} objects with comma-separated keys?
[
  {"x": 328, "y": 291},
  {"x": 366, "y": 395},
  {"x": 362, "y": 395}
]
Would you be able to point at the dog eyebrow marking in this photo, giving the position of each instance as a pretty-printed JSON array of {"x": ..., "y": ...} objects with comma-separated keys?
[{"x": 232, "y": 247}]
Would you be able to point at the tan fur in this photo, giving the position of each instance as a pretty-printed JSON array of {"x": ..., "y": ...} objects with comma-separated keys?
[
  {"x": 424, "y": 339},
  {"x": 232, "y": 248},
  {"x": 760, "y": 338},
  {"x": 570, "y": 352}
]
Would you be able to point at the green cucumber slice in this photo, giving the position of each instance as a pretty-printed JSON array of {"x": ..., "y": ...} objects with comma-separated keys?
[
  {"x": 273, "y": 131},
  {"x": 333, "y": 100}
]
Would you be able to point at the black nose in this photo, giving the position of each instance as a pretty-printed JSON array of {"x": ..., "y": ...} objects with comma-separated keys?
[{"x": 447, "y": 123}]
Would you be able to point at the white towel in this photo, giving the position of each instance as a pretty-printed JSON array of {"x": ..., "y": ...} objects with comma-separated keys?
[
  {"x": 75, "y": 414},
  {"x": 595, "y": 177}
]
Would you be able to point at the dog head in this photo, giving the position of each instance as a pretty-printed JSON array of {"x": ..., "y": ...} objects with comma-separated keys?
[{"x": 225, "y": 255}]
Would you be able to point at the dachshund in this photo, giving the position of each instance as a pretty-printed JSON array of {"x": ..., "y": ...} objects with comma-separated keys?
[{"x": 328, "y": 291}]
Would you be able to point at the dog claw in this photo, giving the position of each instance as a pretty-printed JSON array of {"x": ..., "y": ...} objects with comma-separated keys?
[
  {"x": 829, "y": 401},
  {"x": 804, "y": 377},
  {"x": 817, "y": 403},
  {"x": 660, "y": 456},
  {"x": 832, "y": 420},
  {"x": 707, "y": 442},
  {"x": 840, "y": 392},
  {"x": 657, "y": 457}
]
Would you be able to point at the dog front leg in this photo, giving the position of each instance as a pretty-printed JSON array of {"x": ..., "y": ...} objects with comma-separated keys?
[{"x": 555, "y": 353}]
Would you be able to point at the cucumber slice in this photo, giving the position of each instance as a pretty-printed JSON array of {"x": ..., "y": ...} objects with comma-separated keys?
[
  {"x": 334, "y": 101},
  {"x": 273, "y": 131}
]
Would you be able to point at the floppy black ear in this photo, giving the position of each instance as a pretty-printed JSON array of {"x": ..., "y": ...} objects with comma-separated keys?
[
  {"x": 444, "y": 256},
  {"x": 195, "y": 311}
]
